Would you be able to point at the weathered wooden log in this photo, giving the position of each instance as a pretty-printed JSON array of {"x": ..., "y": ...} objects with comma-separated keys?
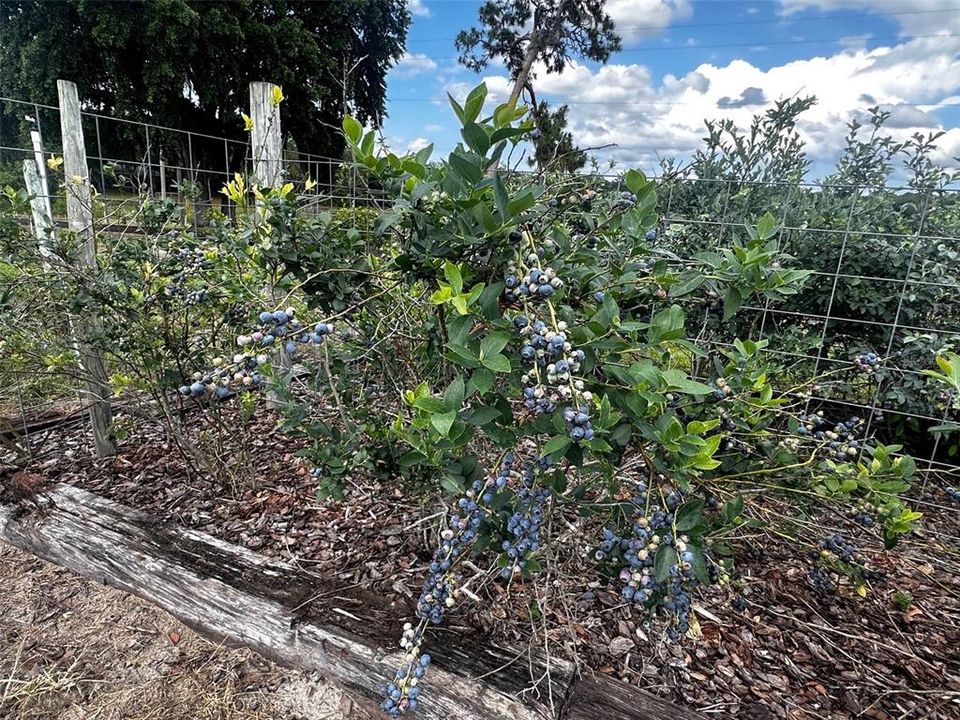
[{"x": 302, "y": 620}]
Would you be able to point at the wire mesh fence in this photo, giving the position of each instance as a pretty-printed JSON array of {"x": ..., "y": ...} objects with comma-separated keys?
[{"x": 883, "y": 296}]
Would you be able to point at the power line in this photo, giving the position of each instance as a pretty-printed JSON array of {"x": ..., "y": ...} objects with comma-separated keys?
[
  {"x": 651, "y": 103},
  {"x": 759, "y": 44},
  {"x": 737, "y": 23}
]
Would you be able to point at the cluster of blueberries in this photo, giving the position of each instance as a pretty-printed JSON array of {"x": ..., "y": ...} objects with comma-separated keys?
[
  {"x": 839, "y": 546},
  {"x": 552, "y": 361},
  {"x": 196, "y": 297},
  {"x": 652, "y": 531},
  {"x": 866, "y": 362},
  {"x": 441, "y": 589},
  {"x": 535, "y": 284},
  {"x": 403, "y": 694},
  {"x": 281, "y": 325},
  {"x": 578, "y": 423},
  {"x": 244, "y": 368},
  {"x": 525, "y": 521},
  {"x": 842, "y": 441},
  {"x": 218, "y": 382},
  {"x": 722, "y": 389},
  {"x": 820, "y": 580},
  {"x": 190, "y": 261},
  {"x": 864, "y": 513},
  {"x": 440, "y": 592},
  {"x": 835, "y": 548},
  {"x": 953, "y": 494},
  {"x": 627, "y": 199}
]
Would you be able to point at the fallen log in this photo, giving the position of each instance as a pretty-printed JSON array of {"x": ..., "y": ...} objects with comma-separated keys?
[{"x": 305, "y": 621}]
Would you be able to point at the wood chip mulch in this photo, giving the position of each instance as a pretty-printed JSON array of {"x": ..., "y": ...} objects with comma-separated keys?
[{"x": 791, "y": 653}]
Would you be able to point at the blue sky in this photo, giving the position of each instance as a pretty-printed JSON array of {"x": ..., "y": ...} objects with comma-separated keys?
[{"x": 684, "y": 60}]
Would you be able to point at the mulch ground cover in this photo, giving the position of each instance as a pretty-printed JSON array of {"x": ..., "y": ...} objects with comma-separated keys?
[{"x": 789, "y": 652}]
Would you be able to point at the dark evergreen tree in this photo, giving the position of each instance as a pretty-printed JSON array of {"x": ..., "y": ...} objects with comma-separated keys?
[
  {"x": 187, "y": 63},
  {"x": 521, "y": 32},
  {"x": 553, "y": 147}
]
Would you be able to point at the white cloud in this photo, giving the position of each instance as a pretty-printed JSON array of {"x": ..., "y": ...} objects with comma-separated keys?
[
  {"x": 417, "y": 144},
  {"x": 638, "y": 19},
  {"x": 402, "y": 146},
  {"x": 416, "y": 7},
  {"x": 647, "y": 118},
  {"x": 412, "y": 64},
  {"x": 920, "y": 17}
]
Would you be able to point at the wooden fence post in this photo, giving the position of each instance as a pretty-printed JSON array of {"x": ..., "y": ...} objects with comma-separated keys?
[
  {"x": 42, "y": 222},
  {"x": 265, "y": 138},
  {"x": 80, "y": 221},
  {"x": 266, "y": 147},
  {"x": 37, "y": 141}
]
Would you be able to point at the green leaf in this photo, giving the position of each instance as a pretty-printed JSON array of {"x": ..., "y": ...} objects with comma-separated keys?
[
  {"x": 452, "y": 273},
  {"x": 523, "y": 201},
  {"x": 366, "y": 144},
  {"x": 352, "y": 129},
  {"x": 386, "y": 221},
  {"x": 451, "y": 485},
  {"x": 438, "y": 297},
  {"x": 505, "y": 133},
  {"x": 481, "y": 381},
  {"x": 423, "y": 154},
  {"x": 678, "y": 381},
  {"x": 430, "y": 404},
  {"x": 497, "y": 363},
  {"x": 686, "y": 283},
  {"x": 731, "y": 302},
  {"x": 689, "y": 515},
  {"x": 665, "y": 559},
  {"x": 414, "y": 457},
  {"x": 470, "y": 172},
  {"x": 766, "y": 226},
  {"x": 502, "y": 198},
  {"x": 732, "y": 509},
  {"x": 443, "y": 421},
  {"x": 457, "y": 108},
  {"x": 556, "y": 444},
  {"x": 667, "y": 324},
  {"x": 635, "y": 180},
  {"x": 494, "y": 342},
  {"x": 474, "y": 103},
  {"x": 454, "y": 394},
  {"x": 476, "y": 138},
  {"x": 483, "y": 415}
]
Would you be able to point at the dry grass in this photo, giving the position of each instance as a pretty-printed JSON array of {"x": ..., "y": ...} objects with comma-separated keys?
[{"x": 76, "y": 650}]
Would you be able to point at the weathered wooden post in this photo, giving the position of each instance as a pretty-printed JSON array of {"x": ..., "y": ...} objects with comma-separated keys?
[
  {"x": 80, "y": 221},
  {"x": 265, "y": 138},
  {"x": 266, "y": 147},
  {"x": 39, "y": 211},
  {"x": 37, "y": 141}
]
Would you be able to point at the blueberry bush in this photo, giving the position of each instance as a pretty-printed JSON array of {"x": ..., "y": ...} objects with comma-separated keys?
[
  {"x": 534, "y": 360},
  {"x": 885, "y": 220}
]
